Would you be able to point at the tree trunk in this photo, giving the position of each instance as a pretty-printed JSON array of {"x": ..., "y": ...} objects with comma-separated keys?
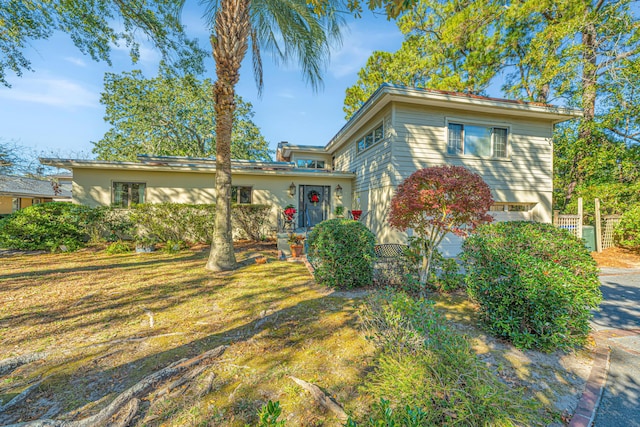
[
  {"x": 229, "y": 45},
  {"x": 589, "y": 92}
]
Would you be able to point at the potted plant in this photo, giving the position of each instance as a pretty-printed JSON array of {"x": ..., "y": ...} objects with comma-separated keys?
[
  {"x": 356, "y": 212},
  {"x": 339, "y": 211},
  {"x": 145, "y": 243},
  {"x": 289, "y": 212},
  {"x": 295, "y": 244}
]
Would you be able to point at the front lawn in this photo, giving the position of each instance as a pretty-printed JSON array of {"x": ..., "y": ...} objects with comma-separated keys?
[
  {"x": 104, "y": 322},
  {"x": 79, "y": 329}
]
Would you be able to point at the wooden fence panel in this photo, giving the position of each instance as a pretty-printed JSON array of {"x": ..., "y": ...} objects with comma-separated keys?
[
  {"x": 610, "y": 222},
  {"x": 573, "y": 223}
]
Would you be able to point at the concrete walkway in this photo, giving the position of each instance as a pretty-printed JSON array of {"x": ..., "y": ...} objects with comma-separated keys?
[{"x": 618, "y": 326}]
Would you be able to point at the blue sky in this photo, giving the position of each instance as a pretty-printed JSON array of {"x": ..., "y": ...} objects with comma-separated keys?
[{"x": 55, "y": 110}]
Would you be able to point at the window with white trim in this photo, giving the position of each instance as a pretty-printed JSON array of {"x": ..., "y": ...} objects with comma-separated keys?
[
  {"x": 125, "y": 194},
  {"x": 477, "y": 140},
  {"x": 371, "y": 138},
  {"x": 241, "y": 195},
  {"x": 310, "y": 164}
]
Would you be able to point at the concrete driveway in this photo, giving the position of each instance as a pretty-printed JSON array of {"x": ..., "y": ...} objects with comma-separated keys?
[{"x": 618, "y": 326}]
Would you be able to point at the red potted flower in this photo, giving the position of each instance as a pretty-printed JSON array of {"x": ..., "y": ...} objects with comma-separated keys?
[
  {"x": 356, "y": 214},
  {"x": 289, "y": 212}
]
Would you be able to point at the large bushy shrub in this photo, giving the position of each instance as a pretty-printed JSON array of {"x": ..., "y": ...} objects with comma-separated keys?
[
  {"x": 627, "y": 231},
  {"x": 252, "y": 220},
  {"x": 111, "y": 224},
  {"x": 174, "y": 221},
  {"x": 341, "y": 251},
  {"x": 48, "y": 226},
  {"x": 535, "y": 283},
  {"x": 426, "y": 374}
]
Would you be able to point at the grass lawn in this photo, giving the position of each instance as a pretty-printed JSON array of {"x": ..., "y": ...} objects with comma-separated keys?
[
  {"x": 106, "y": 321},
  {"x": 99, "y": 323}
]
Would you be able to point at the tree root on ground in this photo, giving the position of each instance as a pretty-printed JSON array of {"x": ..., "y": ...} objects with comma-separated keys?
[
  {"x": 322, "y": 399},
  {"x": 9, "y": 365},
  {"x": 125, "y": 406}
]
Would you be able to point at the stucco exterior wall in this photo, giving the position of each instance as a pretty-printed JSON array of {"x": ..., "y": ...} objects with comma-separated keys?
[
  {"x": 6, "y": 205},
  {"x": 93, "y": 187}
]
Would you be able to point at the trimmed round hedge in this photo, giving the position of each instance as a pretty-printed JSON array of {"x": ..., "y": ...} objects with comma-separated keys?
[
  {"x": 48, "y": 226},
  {"x": 535, "y": 284},
  {"x": 341, "y": 251}
]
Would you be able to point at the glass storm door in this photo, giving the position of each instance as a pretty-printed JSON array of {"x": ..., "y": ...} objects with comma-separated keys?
[{"x": 314, "y": 204}]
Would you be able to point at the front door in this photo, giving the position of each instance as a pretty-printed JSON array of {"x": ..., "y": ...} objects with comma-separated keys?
[{"x": 314, "y": 205}]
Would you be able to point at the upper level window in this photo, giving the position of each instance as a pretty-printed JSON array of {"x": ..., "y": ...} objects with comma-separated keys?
[
  {"x": 477, "y": 140},
  {"x": 371, "y": 138},
  {"x": 241, "y": 194},
  {"x": 311, "y": 164},
  {"x": 124, "y": 194}
]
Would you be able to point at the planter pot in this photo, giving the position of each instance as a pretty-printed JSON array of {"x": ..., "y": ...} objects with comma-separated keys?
[
  {"x": 296, "y": 250},
  {"x": 356, "y": 214}
]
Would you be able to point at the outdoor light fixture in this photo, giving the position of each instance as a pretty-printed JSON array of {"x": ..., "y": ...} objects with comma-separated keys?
[
  {"x": 292, "y": 189},
  {"x": 338, "y": 191}
]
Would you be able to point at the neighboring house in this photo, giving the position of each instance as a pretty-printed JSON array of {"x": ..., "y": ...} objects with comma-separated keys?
[
  {"x": 18, "y": 192},
  {"x": 396, "y": 132}
]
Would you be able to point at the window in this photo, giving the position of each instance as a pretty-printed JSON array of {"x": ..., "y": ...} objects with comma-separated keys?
[
  {"x": 511, "y": 207},
  {"x": 15, "y": 204},
  {"x": 477, "y": 140},
  {"x": 310, "y": 164},
  {"x": 371, "y": 138},
  {"x": 127, "y": 193},
  {"x": 241, "y": 194}
]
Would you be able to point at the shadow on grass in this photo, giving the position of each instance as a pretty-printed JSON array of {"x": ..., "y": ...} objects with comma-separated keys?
[{"x": 74, "y": 380}]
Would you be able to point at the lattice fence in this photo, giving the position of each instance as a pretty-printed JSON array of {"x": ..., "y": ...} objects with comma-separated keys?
[
  {"x": 610, "y": 222},
  {"x": 573, "y": 223}
]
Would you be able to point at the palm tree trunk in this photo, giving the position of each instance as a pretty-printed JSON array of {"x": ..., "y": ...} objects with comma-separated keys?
[{"x": 229, "y": 45}]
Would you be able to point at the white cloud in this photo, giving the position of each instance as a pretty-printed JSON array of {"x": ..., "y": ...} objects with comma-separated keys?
[
  {"x": 76, "y": 61},
  {"x": 58, "y": 92}
]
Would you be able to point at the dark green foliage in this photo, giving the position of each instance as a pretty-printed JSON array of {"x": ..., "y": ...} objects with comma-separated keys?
[
  {"x": 118, "y": 247},
  {"x": 252, "y": 220},
  {"x": 427, "y": 374},
  {"x": 627, "y": 231},
  {"x": 105, "y": 223},
  {"x": 269, "y": 415},
  {"x": 174, "y": 221},
  {"x": 535, "y": 284},
  {"x": 48, "y": 226},
  {"x": 342, "y": 253}
]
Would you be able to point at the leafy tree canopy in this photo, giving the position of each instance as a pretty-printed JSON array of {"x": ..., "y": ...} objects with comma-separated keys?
[
  {"x": 170, "y": 115},
  {"x": 90, "y": 24},
  {"x": 580, "y": 54},
  {"x": 439, "y": 200}
]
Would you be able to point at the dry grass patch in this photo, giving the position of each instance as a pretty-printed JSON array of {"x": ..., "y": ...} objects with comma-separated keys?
[{"x": 104, "y": 322}]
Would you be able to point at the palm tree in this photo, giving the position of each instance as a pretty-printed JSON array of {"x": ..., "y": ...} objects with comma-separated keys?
[{"x": 290, "y": 29}]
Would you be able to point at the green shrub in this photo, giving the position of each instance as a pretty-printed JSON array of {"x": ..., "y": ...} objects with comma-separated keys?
[
  {"x": 425, "y": 373},
  {"x": 627, "y": 231},
  {"x": 535, "y": 283},
  {"x": 118, "y": 247},
  {"x": 341, "y": 251},
  {"x": 175, "y": 221},
  {"x": 48, "y": 226},
  {"x": 251, "y": 220},
  {"x": 106, "y": 223}
]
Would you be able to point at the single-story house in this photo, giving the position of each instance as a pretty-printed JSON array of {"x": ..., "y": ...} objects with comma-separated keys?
[
  {"x": 17, "y": 192},
  {"x": 396, "y": 132}
]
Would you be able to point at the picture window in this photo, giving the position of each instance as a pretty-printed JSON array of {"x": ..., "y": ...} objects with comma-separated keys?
[{"x": 477, "y": 140}]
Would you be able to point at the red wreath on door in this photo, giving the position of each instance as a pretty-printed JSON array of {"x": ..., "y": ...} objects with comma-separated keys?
[{"x": 314, "y": 197}]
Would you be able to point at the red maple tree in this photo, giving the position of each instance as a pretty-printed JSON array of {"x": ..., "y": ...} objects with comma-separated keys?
[{"x": 439, "y": 200}]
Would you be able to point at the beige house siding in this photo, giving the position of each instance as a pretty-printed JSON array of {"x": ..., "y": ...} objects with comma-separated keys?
[
  {"x": 373, "y": 165},
  {"x": 526, "y": 176}
]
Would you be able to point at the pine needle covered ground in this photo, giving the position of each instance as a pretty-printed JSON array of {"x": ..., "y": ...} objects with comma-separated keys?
[{"x": 79, "y": 329}]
